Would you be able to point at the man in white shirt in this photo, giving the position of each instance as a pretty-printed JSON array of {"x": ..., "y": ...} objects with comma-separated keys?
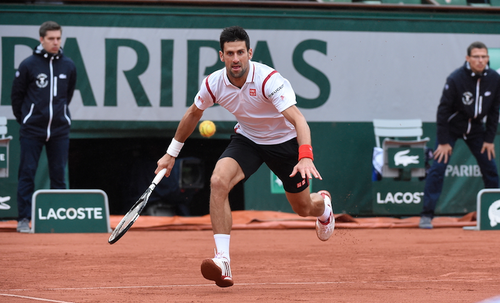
[{"x": 270, "y": 130}]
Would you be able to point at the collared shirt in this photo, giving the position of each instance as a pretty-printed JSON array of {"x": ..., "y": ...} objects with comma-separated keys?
[{"x": 257, "y": 106}]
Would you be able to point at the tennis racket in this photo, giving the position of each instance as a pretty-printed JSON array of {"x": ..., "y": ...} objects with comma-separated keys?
[{"x": 132, "y": 215}]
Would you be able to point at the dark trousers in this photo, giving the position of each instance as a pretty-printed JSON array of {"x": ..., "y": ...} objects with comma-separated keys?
[
  {"x": 435, "y": 177},
  {"x": 57, "y": 156}
]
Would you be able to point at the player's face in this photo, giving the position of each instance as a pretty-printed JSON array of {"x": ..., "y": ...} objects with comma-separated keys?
[
  {"x": 236, "y": 58},
  {"x": 52, "y": 41},
  {"x": 478, "y": 59}
]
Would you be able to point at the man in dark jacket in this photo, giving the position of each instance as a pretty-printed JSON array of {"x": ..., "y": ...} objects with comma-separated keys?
[
  {"x": 41, "y": 92},
  {"x": 468, "y": 110}
]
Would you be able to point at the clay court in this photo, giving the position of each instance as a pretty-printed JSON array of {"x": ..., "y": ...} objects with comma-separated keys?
[{"x": 273, "y": 260}]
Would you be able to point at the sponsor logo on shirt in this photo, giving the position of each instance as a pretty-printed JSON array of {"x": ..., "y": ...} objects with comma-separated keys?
[
  {"x": 253, "y": 92},
  {"x": 276, "y": 90}
]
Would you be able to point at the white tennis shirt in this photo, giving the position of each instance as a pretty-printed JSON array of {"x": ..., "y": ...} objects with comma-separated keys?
[{"x": 257, "y": 106}]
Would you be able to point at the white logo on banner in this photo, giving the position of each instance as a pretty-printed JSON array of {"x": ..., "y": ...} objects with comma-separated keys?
[
  {"x": 494, "y": 213},
  {"x": 71, "y": 213},
  {"x": 3, "y": 205},
  {"x": 400, "y": 198},
  {"x": 403, "y": 158}
]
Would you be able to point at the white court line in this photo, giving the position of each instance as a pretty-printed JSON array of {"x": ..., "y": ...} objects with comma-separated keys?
[
  {"x": 240, "y": 284},
  {"x": 33, "y": 298}
]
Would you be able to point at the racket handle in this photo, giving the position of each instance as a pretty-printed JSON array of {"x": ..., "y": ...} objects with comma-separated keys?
[{"x": 159, "y": 176}]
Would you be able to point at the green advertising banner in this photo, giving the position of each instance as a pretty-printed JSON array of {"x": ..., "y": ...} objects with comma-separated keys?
[
  {"x": 399, "y": 198},
  {"x": 70, "y": 211},
  {"x": 488, "y": 209}
]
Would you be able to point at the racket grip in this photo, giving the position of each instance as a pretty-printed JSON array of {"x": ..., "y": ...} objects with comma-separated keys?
[{"x": 159, "y": 176}]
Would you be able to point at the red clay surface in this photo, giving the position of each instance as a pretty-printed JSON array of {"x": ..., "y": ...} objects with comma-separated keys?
[{"x": 387, "y": 265}]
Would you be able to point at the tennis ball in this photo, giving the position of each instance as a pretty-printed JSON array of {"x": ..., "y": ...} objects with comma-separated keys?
[{"x": 207, "y": 128}]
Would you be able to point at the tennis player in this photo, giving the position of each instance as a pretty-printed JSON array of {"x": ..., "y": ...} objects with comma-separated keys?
[{"x": 270, "y": 130}]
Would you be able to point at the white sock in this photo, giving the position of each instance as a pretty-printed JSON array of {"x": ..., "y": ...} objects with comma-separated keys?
[
  {"x": 326, "y": 214},
  {"x": 222, "y": 245}
]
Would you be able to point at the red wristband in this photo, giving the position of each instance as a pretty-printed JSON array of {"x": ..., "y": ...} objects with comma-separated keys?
[{"x": 306, "y": 151}]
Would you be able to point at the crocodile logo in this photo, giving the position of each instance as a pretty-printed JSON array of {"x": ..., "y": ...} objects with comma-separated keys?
[
  {"x": 494, "y": 213},
  {"x": 3, "y": 205},
  {"x": 402, "y": 158}
]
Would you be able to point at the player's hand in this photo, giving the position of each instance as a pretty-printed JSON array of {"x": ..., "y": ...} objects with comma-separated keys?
[
  {"x": 307, "y": 169},
  {"x": 442, "y": 152},
  {"x": 167, "y": 161},
  {"x": 490, "y": 150}
]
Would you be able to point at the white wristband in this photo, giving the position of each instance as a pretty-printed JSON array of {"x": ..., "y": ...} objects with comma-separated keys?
[{"x": 174, "y": 148}]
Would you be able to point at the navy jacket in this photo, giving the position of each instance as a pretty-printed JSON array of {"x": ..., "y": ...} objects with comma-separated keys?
[
  {"x": 468, "y": 98},
  {"x": 41, "y": 92}
]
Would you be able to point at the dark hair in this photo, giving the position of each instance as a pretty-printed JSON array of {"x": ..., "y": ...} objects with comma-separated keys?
[
  {"x": 234, "y": 33},
  {"x": 49, "y": 26},
  {"x": 476, "y": 44}
]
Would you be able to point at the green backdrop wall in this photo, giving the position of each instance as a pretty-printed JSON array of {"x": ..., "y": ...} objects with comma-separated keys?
[{"x": 139, "y": 68}]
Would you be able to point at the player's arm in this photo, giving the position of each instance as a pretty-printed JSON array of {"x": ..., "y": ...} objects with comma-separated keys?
[
  {"x": 305, "y": 166},
  {"x": 188, "y": 123},
  {"x": 185, "y": 128}
]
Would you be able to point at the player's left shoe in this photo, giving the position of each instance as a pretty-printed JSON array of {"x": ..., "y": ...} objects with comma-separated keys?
[
  {"x": 218, "y": 270},
  {"x": 324, "y": 230}
]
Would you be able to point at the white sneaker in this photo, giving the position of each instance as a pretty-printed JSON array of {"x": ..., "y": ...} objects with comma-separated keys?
[
  {"x": 324, "y": 230},
  {"x": 23, "y": 226},
  {"x": 217, "y": 270},
  {"x": 425, "y": 222}
]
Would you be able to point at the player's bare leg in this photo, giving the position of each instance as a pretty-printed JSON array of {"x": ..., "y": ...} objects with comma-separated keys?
[
  {"x": 318, "y": 205},
  {"x": 305, "y": 204},
  {"x": 226, "y": 175}
]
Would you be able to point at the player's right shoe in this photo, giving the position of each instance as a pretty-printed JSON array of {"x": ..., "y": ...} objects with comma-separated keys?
[
  {"x": 324, "y": 230},
  {"x": 217, "y": 270}
]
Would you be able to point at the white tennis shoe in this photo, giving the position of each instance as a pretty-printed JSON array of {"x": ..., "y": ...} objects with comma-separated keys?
[
  {"x": 324, "y": 230},
  {"x": 217, "y": 270},
  {"x": 23, "y": 226}
]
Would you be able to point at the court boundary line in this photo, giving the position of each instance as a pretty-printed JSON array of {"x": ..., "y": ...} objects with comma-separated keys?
[
  {"x": 237, "y": 284},
  {"x": 34, "y": 298}
]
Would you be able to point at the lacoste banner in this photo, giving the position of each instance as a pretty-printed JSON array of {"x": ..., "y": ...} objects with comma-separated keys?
[
  {"x": 70, "y": 211},
  {"x": 397, "y": 197}
]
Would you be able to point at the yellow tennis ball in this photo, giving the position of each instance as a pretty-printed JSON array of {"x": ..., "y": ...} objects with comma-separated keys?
[{"x": 207, "y": 128}]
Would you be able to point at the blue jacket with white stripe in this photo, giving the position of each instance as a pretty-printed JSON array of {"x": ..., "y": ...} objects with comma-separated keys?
[
  {"x": 41, "y": 92},
  {"x": 466, "y": 100}
]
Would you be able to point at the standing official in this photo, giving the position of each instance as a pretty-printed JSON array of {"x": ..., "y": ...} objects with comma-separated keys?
[
  {"x": 468, "y": 110},
  {"x": 41, "y": 92}
]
